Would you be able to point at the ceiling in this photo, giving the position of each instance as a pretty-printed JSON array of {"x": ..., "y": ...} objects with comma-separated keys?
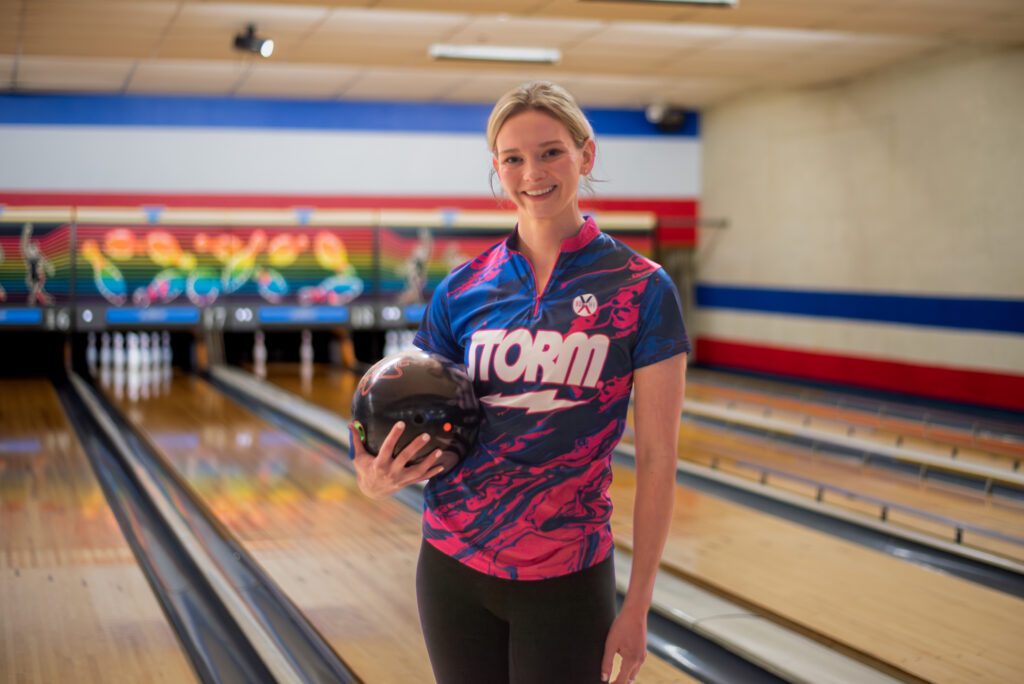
[{"x": 614, "y": 54}]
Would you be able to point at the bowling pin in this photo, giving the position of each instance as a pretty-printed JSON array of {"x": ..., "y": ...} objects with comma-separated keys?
[
  {"x": 259, "y": 354},
  {"x": 144, "y": 355},
  {"x": 167, "y": 358},
  {"x": 133, "y": 352},
  {"x": 118, "y": 376},
  {"x": 119, "y": 351},
  {"x": 132, "y": 377},
  {"x": 165, "y": 352},
  {"x": 91, "y": 354},
  {"x": 105, "y": 350},
  {"x": 390, "y": 342},
  {"x": 144, "y": 365},
  {"x": 306, "y": 350},
  {"x": 154, "y": 350},
  {"x": 105, "y": 375}
]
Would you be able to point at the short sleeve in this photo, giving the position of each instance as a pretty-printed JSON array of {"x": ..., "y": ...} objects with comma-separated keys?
[
  {"x": 435, "y": 333},
  {"x": 662, "y": 333}
]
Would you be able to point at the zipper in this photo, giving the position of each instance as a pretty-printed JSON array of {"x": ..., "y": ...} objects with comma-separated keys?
[{"x": 547, "y": 286}]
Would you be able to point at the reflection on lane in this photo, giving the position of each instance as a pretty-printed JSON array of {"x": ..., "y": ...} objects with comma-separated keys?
[
  {"x": 347, "y": 562},
  {"x": 71, "y": 592}
]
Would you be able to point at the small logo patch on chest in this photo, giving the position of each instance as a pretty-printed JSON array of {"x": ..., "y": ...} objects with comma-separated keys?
[{"x": 585, "y": 305}]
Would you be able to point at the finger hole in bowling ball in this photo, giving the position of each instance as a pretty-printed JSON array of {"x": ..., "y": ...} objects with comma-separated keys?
[{"x": 419, "y": 419}]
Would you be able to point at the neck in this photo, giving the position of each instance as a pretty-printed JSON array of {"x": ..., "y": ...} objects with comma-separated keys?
[
  {"x": 541, "y": 243},
  {"x": 542, "y": 240}
]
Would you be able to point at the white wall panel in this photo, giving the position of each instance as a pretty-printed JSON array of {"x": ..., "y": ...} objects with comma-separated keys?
[{"x": 223, "y": 160}]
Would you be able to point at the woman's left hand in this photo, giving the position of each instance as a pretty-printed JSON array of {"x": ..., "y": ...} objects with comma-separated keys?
[{"x": 628, "y": 638}]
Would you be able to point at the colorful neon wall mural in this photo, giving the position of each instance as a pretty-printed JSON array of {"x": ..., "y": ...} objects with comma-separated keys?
[
  {"x": 198, "y": 265},
  {"x": 35, "y": 263},
  {"x": 128, "y": 260}
]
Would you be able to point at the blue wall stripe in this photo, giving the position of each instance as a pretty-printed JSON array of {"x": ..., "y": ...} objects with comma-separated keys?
[
  {"x": 999, "y": 315},
  {"x": 159, "y": 110}
]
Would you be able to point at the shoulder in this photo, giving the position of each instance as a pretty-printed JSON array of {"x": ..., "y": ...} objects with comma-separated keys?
[
  {"x": 608, "y": 253},
  {"x": 481, "y": 270}
]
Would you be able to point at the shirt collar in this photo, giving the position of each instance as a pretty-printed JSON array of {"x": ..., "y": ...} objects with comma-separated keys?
[{"x": 586, "y": 234}]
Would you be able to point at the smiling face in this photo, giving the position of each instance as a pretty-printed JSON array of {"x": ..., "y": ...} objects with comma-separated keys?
[{"x": 540, "y": 166}]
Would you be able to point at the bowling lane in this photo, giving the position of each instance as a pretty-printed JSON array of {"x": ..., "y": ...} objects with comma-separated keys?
[
  {"x": 347, "y": 562},
  {"x": 927, "y": 624},
  {"x": 700, "y": 443},
  {"x": 74, "y": 605},
  {"x": 743, "y": 454},
  {"x": 939, "y": 432}
]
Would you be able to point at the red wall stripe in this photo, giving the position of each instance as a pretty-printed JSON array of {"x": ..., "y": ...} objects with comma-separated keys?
[{"x": 949, "y": 384}]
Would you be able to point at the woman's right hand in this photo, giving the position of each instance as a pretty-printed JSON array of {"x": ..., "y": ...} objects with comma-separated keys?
[{"x": 382, "y": 475}]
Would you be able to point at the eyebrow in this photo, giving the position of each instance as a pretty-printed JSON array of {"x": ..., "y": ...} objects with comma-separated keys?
[{"x": 543, "y": 144}]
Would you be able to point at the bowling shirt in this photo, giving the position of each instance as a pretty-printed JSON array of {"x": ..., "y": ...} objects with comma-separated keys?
[{"x": 553, "y": 373}]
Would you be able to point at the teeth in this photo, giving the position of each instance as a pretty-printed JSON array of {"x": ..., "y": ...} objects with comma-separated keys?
[{"x": 538, "y": 193}]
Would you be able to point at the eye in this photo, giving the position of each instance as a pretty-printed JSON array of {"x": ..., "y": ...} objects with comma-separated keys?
[{"x": 553, "y": 152}]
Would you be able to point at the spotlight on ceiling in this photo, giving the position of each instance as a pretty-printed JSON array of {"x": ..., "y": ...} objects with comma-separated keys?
[
  {"x": 667, "y": 118},
  {"x": 249, "y": 42}
]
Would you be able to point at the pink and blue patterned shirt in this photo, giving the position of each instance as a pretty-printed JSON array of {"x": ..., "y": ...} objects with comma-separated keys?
[{"x": 553, "y": 372}]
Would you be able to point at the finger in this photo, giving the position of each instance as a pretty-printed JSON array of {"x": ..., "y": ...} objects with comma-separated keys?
[
  {"x": 629, "y": 669},
  {"x": 428, "y": 468},
  {"x": 355, "y": 444},
  {"x": 387, "y": 447},
  {"x": 607, "y": 662},
  {"x": 411, "y": 451}
]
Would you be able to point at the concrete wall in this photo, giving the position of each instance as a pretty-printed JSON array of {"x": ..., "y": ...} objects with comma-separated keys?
[{"x": 876, "y": 228}]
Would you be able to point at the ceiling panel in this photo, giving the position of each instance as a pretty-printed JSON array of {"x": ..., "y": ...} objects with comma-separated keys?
[
  {"x": 419, "y": 84},
  {"x": 614, "y": 52},
  {"x": 229, "y": 17},
  {"x": 388, "y": 25},
  {"x": 7, "y": 71},
  {"x": 74, "y": 75},
  {"x": 495, "y": 30},
  {"x": 290, "y": 80},
  {"x": 488, "y": 88},
  {"x": 187, "y": 76}
]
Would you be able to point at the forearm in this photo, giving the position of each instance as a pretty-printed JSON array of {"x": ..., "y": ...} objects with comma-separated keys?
[
  {"x": 652, "y": 517},
  {"x": 659, "y": 391}
]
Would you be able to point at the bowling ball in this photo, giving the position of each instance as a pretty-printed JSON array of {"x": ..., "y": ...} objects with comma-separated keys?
[{"x": 427, "y": 392}]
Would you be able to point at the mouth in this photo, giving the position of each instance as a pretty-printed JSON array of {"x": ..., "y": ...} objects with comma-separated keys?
[{"x": 541, "y": 192}]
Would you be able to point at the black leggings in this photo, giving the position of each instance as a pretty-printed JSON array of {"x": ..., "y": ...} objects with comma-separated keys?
[{"x": 485, "y": 630}]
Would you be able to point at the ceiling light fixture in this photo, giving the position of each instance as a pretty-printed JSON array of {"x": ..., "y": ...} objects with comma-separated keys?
[
  {"x": 495, "y": 53},
  {"x": 249, "y": 42},
  {"x": 705, "y": 3}
]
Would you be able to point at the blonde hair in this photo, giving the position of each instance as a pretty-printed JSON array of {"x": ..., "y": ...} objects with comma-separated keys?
[{"x": 549, "y": 98}]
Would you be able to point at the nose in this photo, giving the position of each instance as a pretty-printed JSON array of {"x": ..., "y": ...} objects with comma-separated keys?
[{"x": 532, "y": 170}]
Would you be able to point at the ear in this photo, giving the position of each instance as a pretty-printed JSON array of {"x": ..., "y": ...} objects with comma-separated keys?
[
  {"x": 494, "y": 163},
  {"x": 589, "y": 157}
]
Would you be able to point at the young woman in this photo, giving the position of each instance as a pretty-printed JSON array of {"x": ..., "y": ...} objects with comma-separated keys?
[{"x": 556, "y": 325}]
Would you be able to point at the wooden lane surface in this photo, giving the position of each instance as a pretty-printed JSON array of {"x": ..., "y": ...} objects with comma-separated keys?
[
  {"x": 701, "y": 444},
  {"x": 936, "y": 627},
  {"x": 347, "y": 562},
  {"x": 742, "y": 454},
  {"x": 74, "y": 604},
  {"x": 932, "y": 626},
  {"x": 932, "y": 438}
]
